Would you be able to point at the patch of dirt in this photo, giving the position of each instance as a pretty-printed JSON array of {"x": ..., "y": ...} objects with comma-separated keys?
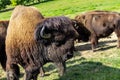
[{"x": 105, "y": 45}]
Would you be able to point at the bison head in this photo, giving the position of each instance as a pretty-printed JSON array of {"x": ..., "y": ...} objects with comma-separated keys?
[
  {"x": 81, "y": 29},
  {"x": 57, "y": 34}
]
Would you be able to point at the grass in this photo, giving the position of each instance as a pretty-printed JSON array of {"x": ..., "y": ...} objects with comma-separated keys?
[
  {"x": 70, "y": 7},
  {"x": 104, "y": 64}
]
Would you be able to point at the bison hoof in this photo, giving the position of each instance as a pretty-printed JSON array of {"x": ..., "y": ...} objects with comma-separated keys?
[
  {"x": 11, "y": 76},
  {"x": 118, "y": 46},
  {"x": 93, "y": 50},
  {"x": 61, "y": 74},
  {"x": 42, "y": 74}
]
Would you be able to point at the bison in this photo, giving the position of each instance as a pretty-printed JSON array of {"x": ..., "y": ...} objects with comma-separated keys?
[
  {"x": 32, "y": 42},
  {"x": 97, "y": 24},
  {"x": 3, "y": 57},
  {"x": 3, "y": 31}
]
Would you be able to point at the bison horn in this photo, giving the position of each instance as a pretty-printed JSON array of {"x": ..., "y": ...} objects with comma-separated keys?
[{"x": 43, "y": 34}]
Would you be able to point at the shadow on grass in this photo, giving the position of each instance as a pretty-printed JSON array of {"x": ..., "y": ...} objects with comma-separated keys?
[
  {"x": 103, "y": 45},
  {"x": 86, "y": 70},
  {"x": 91, "y": 71}
]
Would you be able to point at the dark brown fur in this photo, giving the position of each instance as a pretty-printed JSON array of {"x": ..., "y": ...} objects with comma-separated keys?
[
  {"x": 3, "y": 31},
  {"x": 26, "y": 47},
  {"x": 3, "y": 57},
  {"x": 98, "y": 24}
]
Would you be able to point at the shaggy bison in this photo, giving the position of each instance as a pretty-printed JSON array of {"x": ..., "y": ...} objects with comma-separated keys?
[
  {"x": 97, "y": 24},
  {"x": 32, "y": 42},
  {"x": 3, "y": 31},
  {"x": 3, "y": 58}
]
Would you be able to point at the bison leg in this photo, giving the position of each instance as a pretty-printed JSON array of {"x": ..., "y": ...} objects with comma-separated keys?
[
  {"x": 17, "y": 70},
  {"x": 117, "y": 31},
  {"x": 27, "y": 75},
  {"x": 31, "y": 73},
  {"x": 61, "y": 67},
  {"x": 11, "y": 72},
  {"x": 3, "y": 59},
  {"x": 118, "y": 45},
  {"x": 42, "y": 72},
  {"x": 94, "y": 42}
]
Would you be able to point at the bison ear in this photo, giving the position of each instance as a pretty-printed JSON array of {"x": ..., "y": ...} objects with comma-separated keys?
[{"x": 41, "y": 32}]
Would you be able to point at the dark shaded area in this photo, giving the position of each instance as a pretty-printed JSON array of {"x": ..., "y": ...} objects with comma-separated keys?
[
  {"x": 100, "y": 46},
  {"x": 91, "y": 71},
  {"x": 9, "y": 9},
  {"x": 86, "y": 70}
]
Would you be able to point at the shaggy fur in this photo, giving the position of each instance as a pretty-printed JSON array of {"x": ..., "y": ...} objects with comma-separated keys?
[
  {"x": 98, "y": 24},
  {"x": 26, "y": 47},
  {"x": 3, "y": 31},
  {"x": 3, "y": 57}
]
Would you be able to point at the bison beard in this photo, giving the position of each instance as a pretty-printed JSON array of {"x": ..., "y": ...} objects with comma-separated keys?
[
  {"x": 32, "y": 42},
  {"x": 97, "y": 24},
  {"x": 3, "y": 57}
]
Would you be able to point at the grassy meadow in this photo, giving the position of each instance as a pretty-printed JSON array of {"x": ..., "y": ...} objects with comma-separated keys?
[{"x": 104, "y": 64}]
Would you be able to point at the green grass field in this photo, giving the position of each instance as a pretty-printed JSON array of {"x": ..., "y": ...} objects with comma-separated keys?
[
  {"x": 71, "y": 7},
  {"x": 104, "y": 64}
]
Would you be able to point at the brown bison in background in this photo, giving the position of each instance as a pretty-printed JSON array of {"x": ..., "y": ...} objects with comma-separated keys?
[
  {"x": 32, "y": 42},
  {"x": 3, "y": 33},
  {"x": 97, "y": 24}
]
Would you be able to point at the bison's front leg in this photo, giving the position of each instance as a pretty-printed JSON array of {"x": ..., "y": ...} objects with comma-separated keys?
[
  {"x": 118, "y": 45},
  {"x": 29, "y": 76},
  {"x": 118, "y": 42},
  {"x": 94, "y": 42},
  {"x": 11, "y": 73},
  {"x": 117, "y": 31},
  {"x": 61, "y": 67},
  {"x": 42, "y": 72},
  {"x": 31, "y": 73}
]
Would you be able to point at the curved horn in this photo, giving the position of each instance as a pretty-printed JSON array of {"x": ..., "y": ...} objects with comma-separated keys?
[{"x": 43, "y": 34}]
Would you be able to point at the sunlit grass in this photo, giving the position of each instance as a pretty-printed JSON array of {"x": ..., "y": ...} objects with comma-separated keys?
[{"x": 71, "y": 7}]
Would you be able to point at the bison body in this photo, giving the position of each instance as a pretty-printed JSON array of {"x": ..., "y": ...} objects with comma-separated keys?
[
  {"x": 97, "y": 24},
  {"x": 32, "y": 42}
]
